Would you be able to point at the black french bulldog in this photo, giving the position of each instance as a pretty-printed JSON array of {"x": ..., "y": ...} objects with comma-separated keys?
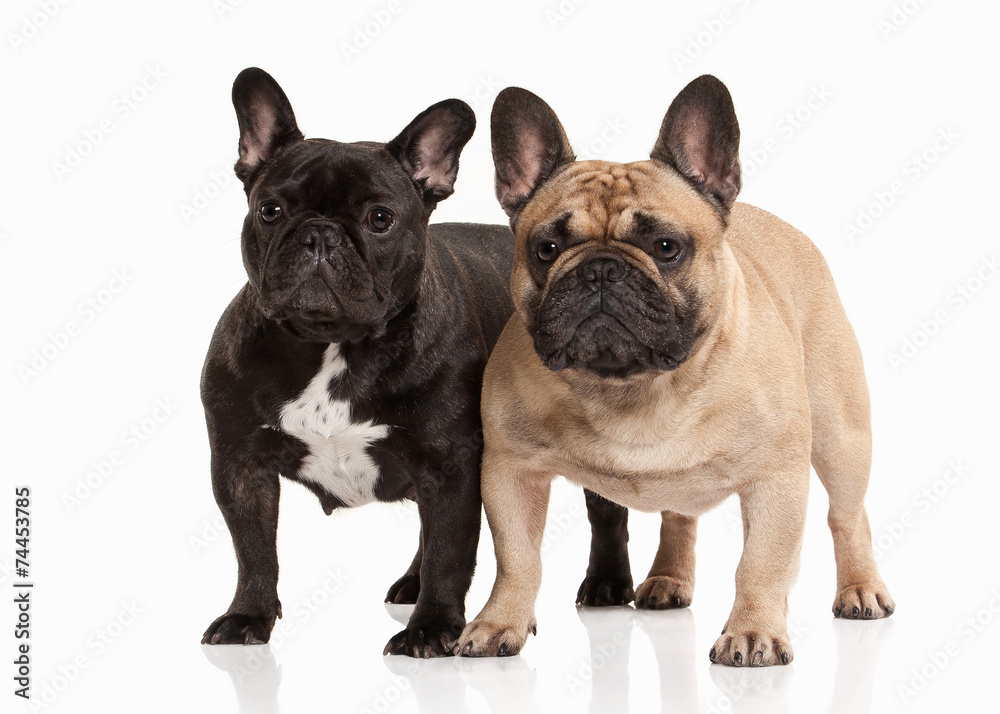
[{"x": 353, "y": 358}]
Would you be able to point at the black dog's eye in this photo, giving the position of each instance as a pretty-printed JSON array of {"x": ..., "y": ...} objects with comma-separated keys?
[
  {"x": 269, "y": 212},
  {"x": 547, "y": 252},
  {"x": 379, "y": 220},
  {"x": 668, "y": 250}
]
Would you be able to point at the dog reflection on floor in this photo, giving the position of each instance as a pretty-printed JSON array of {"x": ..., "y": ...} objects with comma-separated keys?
[
  {"x": 509, "y": 684},
  {"x": 859, "y": 650},
  {"x": 440, "y": 685},
  {"x": 751, "y": 690},
  {"x": 609, "y": 631},
  {"x": 254, "y": 673},
  {"x": 672, "y": 634}
]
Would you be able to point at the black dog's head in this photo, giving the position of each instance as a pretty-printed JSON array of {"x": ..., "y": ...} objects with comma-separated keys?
[
  {"x": 619, "y": 267},
  {"x": 335, "y": 239}
]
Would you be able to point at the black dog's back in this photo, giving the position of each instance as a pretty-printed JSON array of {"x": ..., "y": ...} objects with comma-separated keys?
[{"x": 479, "y": 258}]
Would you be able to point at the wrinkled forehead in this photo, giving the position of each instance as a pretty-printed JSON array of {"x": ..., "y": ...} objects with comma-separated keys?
[
  {"x": 320, "y": 170},
  {"x": 600, "y": 200}
]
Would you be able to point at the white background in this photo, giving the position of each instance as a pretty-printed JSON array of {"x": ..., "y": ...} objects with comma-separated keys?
[{"x": 130, "y": 574}]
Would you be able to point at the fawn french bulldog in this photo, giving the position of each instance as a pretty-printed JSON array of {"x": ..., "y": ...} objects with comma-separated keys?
[{"x": 669, "y": 348}]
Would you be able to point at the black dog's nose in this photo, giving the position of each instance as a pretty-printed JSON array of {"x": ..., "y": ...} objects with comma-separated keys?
[
  {"x": 599, "y": 270},
  {"x": 314, "y": 236}
]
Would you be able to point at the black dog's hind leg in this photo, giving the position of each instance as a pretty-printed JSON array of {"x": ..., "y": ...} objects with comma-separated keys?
[
  {"x": 405, "y": 590},
  {"x": 609, "y": 575}
]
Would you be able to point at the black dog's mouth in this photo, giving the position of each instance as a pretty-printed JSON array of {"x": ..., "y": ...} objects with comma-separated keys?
[
  {"x": 314, "y": 309},
  {"x": 324, "y": 327}
]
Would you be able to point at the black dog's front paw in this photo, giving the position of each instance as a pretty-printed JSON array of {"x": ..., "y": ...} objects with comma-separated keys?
[
  {"x": 597, "y": 591},
  {"x": 236, "y": 629},
  {"x": 404, "y": 591},
  {"x": 427, "y": 640}
]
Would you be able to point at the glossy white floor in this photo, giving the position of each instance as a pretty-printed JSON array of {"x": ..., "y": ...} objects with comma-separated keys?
[
  {"x": 615, "y": 659},
  {"x": 326, "y": 652},
  {"x": 870, "y": 126}
]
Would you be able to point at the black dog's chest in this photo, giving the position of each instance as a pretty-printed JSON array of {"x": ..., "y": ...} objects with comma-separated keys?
[{"x": 338, "y": 458}]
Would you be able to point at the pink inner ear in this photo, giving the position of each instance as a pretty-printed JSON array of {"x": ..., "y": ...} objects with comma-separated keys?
[
  {"x": 701, "y": 163},
  {"x": 430, "y": 146},
  {"x": 704, "y": 165},
  {"x": 525, "y": 171},
  {"x": 263, "y": 123},
  {"x": 433, "y": 162}
]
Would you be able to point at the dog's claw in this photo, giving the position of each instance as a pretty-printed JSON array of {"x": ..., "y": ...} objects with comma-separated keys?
[
  {"x": 238, "y": 629},
  {"x": 661, "y": 592},
  {"x": 865, "y": 601},
  {"x": 602, "y": 591},
  {"x": 742, "y": 648},
  {"x": 431, "y": 640},
  {"x": 404, "y": 591}
]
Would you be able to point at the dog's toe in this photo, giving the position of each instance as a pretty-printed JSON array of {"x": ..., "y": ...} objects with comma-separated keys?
[
  {"x": 661, "y": 592},
  {"x": 404, "y": 591},
  {"x": 597, "y": 591},
  {"x": 425, "y": 640},
  {"x": 865, "y": 601},
  {"x": 489, "y": 639},
  {"x": 239, "y": 629},
  {"x": 751, "y": 648}
]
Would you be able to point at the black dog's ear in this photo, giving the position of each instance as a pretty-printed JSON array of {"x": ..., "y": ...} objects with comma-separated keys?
[
  {"x": 529, "y": 144},
  {"x": 267, "y": 122},
  {"x": 700, "y": 137},
  {"x": 430, "y": 146}
]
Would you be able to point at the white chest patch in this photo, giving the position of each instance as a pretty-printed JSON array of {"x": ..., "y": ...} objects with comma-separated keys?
[{"x": 337, "y": 459}]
